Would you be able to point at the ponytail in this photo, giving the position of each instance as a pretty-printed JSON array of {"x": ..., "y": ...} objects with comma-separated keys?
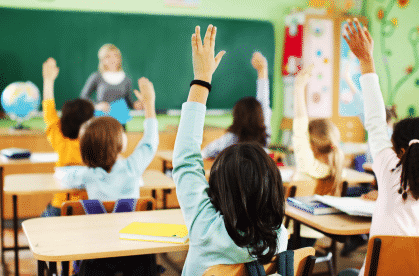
[
  {"x": 409, "y": 179},
  {"x": 336, "y": 159}
]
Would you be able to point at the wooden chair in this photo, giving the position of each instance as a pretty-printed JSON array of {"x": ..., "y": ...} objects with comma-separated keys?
[
  {"x": 69, "y": 208},
  {"x": 308, "y": 188},
  {"x": 303, "y": 265},
  {"x": 392, "y": 255}
]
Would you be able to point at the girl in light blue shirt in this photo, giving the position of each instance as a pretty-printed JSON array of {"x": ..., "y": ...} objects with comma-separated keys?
[
  {"x": 237, "y": 216},
  {"x": 107, "y": 176}
]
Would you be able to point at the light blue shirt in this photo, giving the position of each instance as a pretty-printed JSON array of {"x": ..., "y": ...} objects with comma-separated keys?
[
  {"x": 209, "y": 242},
  {"x": 124, "y": 180},
  {"x": 228, "y": 139}
]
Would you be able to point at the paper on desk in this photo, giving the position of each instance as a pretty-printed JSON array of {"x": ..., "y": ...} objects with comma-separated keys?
[
  {"x": 354, "y": 206},
  {"x": 44, "y": 157},
  {"x": 286, "y": 174}
]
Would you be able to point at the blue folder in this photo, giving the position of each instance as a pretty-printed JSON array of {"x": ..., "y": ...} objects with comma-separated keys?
[{"x": 118, "y": 110}]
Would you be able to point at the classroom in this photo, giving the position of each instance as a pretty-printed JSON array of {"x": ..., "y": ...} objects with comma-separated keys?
[{"x": 209, "y": 137}]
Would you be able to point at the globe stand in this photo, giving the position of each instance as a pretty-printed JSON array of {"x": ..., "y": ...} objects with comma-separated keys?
[{"x": 20, "y": 126}]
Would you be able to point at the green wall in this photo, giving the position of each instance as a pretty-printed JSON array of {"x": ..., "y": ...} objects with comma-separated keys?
[
  {"x": 398, "y": 45},
  {"x": 271, "y": 10}
]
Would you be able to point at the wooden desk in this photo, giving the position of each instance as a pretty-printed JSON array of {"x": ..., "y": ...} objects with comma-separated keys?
[
  {"x": 35, "y": 184},
  {"x": 336, "y": 226},
  {"x": 91, "y": 237}
]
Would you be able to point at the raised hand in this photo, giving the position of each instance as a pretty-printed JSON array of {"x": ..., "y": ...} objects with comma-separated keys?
[
  {"x": 204, "y": 62},
  {"x": 303, "y": 76},
  {"x": 361, "y": 44},
  {"x": 260, "y": 63},
  {"x": 50, "y": 70},
  {"x": 147, "y": 96}
]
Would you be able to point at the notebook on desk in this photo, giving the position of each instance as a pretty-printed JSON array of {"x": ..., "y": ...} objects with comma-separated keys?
[
  {"x": 158, "y": 232},
  {"x": 354, "y": 206},
  {"x": 310, "y": 205}
]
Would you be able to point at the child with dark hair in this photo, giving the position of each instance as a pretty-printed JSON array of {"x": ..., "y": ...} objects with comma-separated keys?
[
  {"x": 251, "y": 116},
  {"x": 63, "y": 133},
  {"x": 395, "y": 160},
  {"x": 237, "y": 216},
  {"x": 107, "y": 176}
]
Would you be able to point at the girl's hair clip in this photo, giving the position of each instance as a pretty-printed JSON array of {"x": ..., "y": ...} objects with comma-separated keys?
[{"x": 413, "y": 141}]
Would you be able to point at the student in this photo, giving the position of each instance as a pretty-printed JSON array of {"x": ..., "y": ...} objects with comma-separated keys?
[
  {"x": 107, "y": 176},
  {"x": 237, "y": 216},
  {"x": 394, "y": 160},
  {"x": 251, "y": 117},
  {"x": 316, "y": 144},
  {"x": 63, "y": 133},
  {"x": 111, "y": 82}
]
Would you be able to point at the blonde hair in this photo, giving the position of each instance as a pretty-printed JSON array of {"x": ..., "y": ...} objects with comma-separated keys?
[
  {"x": 103, "y": 51},
  {"x": 324, "y": 140}
]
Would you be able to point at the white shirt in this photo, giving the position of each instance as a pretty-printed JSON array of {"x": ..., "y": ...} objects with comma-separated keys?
[{"x": 392, "y": 215}]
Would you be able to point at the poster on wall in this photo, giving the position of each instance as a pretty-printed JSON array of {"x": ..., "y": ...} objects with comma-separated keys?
[
  {"x": 318, "y": 50},
  {"x": 293, "y": 43},
  {"x": 350, "y": 95},
  {"x": 183, "y": 3}
]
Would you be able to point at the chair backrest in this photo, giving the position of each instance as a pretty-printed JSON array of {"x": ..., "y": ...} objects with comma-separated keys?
[
  {"x": 69, "y": 208},
  {"x": 392, "y": 255},
  {"x": 303, "y": 265},
  {"x": 312, "y": 187}
]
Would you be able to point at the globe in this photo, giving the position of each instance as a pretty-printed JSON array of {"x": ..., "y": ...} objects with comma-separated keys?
[{"x": 20, "y": 100}]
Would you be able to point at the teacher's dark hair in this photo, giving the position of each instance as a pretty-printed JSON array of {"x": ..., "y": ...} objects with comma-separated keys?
[
  {"x": 248, "y": 121},
  {"x": 245, "y": 185},
  {"x": 74, "y": 114}
]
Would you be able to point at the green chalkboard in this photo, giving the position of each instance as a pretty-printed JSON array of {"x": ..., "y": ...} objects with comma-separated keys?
[{"x": 155, "y": 46}]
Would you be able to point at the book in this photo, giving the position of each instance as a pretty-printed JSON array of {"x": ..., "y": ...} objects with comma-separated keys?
[
  {"x": 158, "y": 232},
  {"x": 311, "y": 205},
  {"x": 118, "y": 110},
  {"x": 354, "y": 206},
  {"x": 15, "y": 153}
]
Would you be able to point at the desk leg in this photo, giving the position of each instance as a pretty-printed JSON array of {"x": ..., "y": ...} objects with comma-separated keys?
[
  {"x": 164, "y": 166},
  {"x": 297, "y": 234},
  {"x": 41, "y": 268},
  {"x": 66, "y": 268},
  {"x": 165, "y": 193},
  {"x": 2, "y": 215},
  {"x": 16, "y": 234},
  {"x": 52, "y": 270}
]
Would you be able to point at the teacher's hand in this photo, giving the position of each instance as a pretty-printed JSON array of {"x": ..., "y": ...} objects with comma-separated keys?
[{"x": 103, "y": 106}]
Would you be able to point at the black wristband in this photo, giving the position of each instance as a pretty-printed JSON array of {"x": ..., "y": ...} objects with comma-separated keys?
[{"x": 202, "y": 83}]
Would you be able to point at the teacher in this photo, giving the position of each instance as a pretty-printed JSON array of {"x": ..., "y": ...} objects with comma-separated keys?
[{"x": 110, "y": 83}]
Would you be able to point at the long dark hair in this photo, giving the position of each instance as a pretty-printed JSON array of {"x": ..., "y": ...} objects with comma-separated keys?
[
  {"x": 404, "y": 132},
  {"x": 248, "y": 121},
  {"x": 246, "y": 187}
]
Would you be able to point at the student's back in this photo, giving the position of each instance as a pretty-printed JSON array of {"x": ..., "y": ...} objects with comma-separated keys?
[
  {"x": 237, "y": 216},
  {"x": 395, "y": 160},
  {"x": 107, "y": 176},
  {"x": 316, "y": 144},
  {"x": 63, "y": 133}
]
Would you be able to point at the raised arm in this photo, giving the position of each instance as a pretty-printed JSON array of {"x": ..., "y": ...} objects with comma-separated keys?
[
  {"x": 147, "y": 147},
  {"x": 188, "y": 167},
  {"x": 361, "y": 44},
  {"x": 260, "y": 63},
  {"x": 49, "y": 73},
  {"x": 300, "y": 107}
]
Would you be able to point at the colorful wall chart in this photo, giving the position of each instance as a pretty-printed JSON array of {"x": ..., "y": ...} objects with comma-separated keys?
[{"x": 318, "y": 50}]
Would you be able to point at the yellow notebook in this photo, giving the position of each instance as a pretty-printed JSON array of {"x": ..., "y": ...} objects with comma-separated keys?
[{"x": 158, "y": 232}]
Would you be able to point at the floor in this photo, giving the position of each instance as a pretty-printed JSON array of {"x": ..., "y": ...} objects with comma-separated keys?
[{"x": 28, "y": 265}]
